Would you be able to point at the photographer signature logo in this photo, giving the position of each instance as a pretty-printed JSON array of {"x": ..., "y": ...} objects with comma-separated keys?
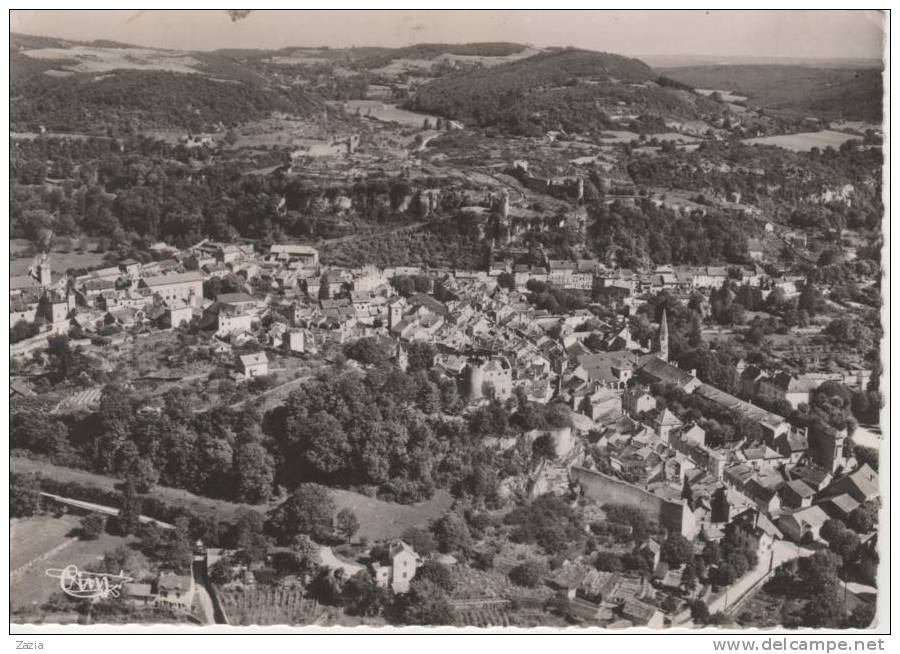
[{"x": 88, "y": 585}]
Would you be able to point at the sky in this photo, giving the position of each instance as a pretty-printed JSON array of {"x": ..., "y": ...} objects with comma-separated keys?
[{"x": 727, "y": 33}]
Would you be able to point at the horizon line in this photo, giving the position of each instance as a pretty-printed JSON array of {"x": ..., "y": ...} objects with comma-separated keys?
[{"x": 426, "y": 43}]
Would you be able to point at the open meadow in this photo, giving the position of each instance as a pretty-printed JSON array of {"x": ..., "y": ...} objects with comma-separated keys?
[
  {"x": 804, "y": 141},
  {"x": 43, "y": 542},
  {"x": 380, "y": 520}
]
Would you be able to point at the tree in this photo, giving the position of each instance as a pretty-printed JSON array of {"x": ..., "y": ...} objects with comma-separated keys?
[
  {"x": 608, "y": 562},
  {"x": 92, "y": 526},
  {"x": 256, "y": 472},
  {"x": 302, "y": 559},
  {"x": 128, "y": 521},
  {"x": 689, "y": 576},
  {"x": 247, "y": 535},
  {"x": 544, "y": 448},
  {"x": 363, "y": 597},
  {"x": 308, "y": 510},
  {"x": 369, "y": 351},
  {"x": 346, "y": 524},
  {"x": 528, "y": 574},
  {"x": 324, "y": 287},
  {"x": 712, "y": 554},
  {"x": 811, "y": 299},
  {"x": 844, "y": 544},
  {"x": 175, "y": 549},
  {"x": 824, "y": 610},
  {"x": 830, "y": 528},
  {"x": 420, "y": 356},
  {"x": 818, "y": 573},
  {"x": 425, "y": 604},
  {"x": 24, "y": 495},
  {"x": 420, "y": 540},
  {"x": 507, "y": 281},
  {"x": 699, "y": 612},
  {"x": 220, "y": 573},
  {"x": 549, "y": 521},
  {"x": 725, "y": 574},
  {"x": 39, "y": 432},
  {"x": 143, "y": 474},
  {"x": 438, "y": 574},
  {"x": 63, "y": 359},
  {"x": 22, "y": 330},
  {"x": 121, "y": 559},
  {"x": 862, "y": 519},
  {"x": 861, "y": 617},
  {"x": 676, "y": 550},
  {"x": 452, "y": 533}
]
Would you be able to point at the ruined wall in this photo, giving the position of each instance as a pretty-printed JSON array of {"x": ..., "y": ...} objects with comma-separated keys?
[{"x": 609, "y": 490}]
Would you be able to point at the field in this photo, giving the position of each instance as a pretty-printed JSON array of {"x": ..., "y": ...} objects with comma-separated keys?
[
  {"x": 381, "y": 520},
  {"x": 42, "y": 542},
  {"x": 266, "y": 605},
  {"x": 177, "y": 497},
  {"x": 833, "y": 93},
  {"x": 378, "y": 519},
  {"x": 388, "y": 113},
  {"x": 60, "y": 262},
  {"x": 89, "y": 59},
  {"x": 415, "y": 65},
  {"x": 804, "y": 141},
  {"x": 727, "y": 96},
  {"x": 859, "y": 126},
  {"x": 611, "y": 137}
]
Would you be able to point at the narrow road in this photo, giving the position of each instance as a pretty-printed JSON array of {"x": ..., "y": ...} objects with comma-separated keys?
[
  {"x": 781, "y": 552},
  {"x": 207, "y": 610},
  {"x": 274, "y": 393},
  {"x": 100, "y": 508}
]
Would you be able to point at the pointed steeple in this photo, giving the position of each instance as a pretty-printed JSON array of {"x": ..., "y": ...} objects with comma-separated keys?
[{"x": 663, "y": 352}]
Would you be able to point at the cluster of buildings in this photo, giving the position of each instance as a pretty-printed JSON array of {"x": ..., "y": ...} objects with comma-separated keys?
[
  {"x": 610, "y": 599},
  {"x": 494, "y": 343},
  {"x": 168, "y": 590},
  {"x": 587, "y": 274},
  {"x": 783, "y": 486},
  {"x": 392, "y": 565}
]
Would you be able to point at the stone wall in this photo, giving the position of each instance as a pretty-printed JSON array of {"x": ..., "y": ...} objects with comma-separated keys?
[{"x": 608, "y": 490}]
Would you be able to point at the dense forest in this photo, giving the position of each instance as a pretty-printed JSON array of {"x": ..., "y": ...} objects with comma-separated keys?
[
  {"x": 152, "y": 191},
  {"x": 387, "y": 432},
  {"x": 776, "y": 180},
  {"x": 555, "y": 90},
  {"x": 125, "y": 102},
  {"x": 634, "y": 237}
]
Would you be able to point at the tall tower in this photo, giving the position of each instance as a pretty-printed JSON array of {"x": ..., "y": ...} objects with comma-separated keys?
[
  {"x": 395, "y": 312},
  {"x": 400, "y": 356},
  {"x": 504, "y": 215},
  {"x": 40, "y": 269},
  {"x": 663, "y": 352}
]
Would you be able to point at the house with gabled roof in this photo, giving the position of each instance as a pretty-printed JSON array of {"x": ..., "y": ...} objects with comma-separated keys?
[
  {"x": 861, "y": 484},
  {"x": 797, "y": 494},
  {"x": 253, "y": 365},
  {"x": 667, "y": 425},
  {"x": 397, "y": 567},
  {"x": 802, "y": 525},
  {"x": 840, "y": 506}
]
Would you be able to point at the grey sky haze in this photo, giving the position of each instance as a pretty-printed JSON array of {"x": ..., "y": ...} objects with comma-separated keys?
[{"x": 727, "y": 33}]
